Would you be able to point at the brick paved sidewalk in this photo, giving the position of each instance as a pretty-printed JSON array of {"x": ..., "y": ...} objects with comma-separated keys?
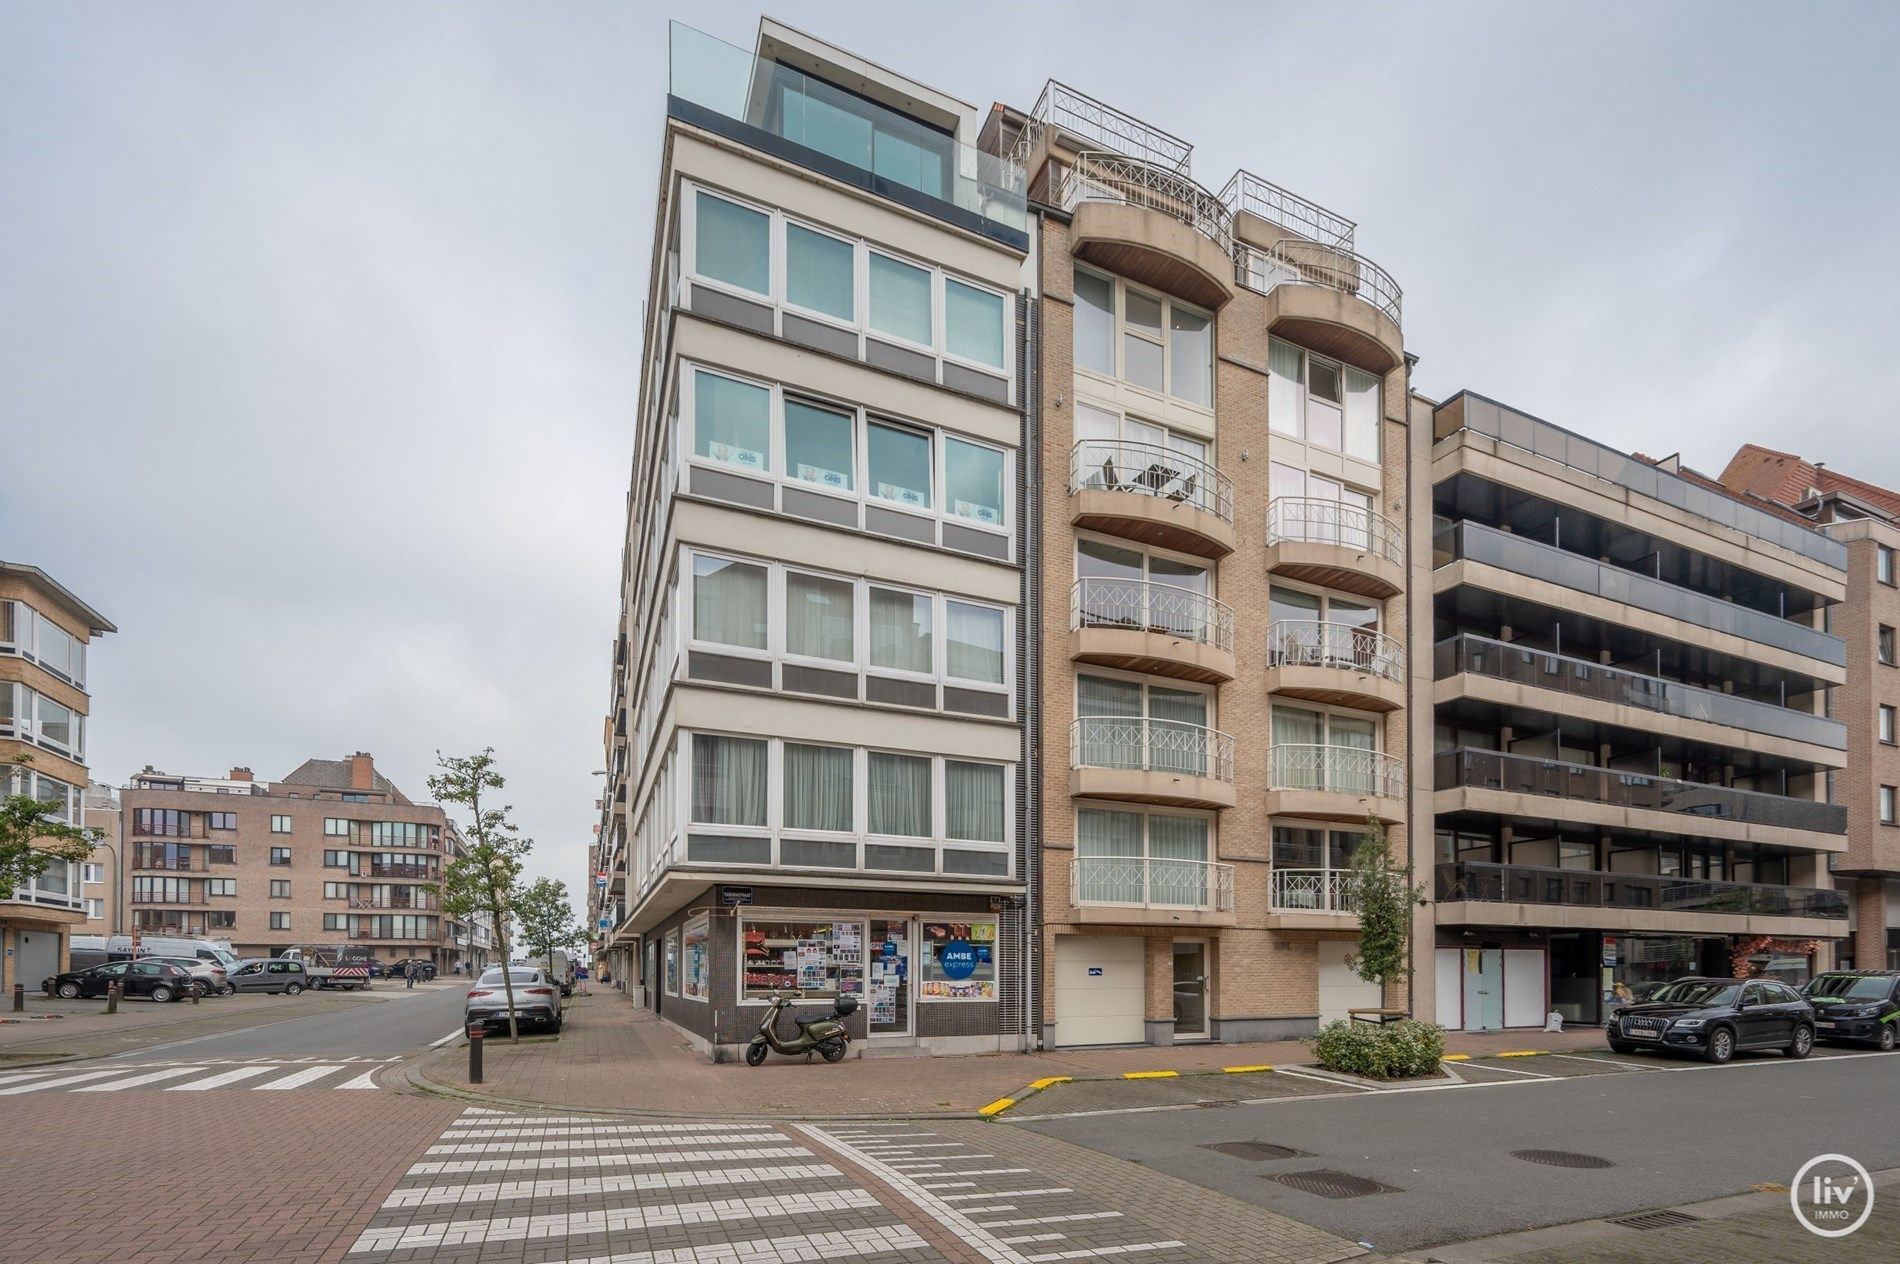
[{"x": 614, "y": 1056}]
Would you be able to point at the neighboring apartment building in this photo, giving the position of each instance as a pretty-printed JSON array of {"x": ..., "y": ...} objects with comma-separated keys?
[
  {"x": 44, "y": 634},
  {"x": 1632, "y": 745},
  {"x": 815, "y": 739},
  {"x": 334, "y": 853},
  {"x": 102, "y": 878},
  {"x": 1865, "y": 518}
]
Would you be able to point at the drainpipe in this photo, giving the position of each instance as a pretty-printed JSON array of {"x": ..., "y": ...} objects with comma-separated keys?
[{"x": 1030, "y": 369}]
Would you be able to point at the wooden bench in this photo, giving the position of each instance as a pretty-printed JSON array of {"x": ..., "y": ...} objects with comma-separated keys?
[{"x": 1378, "y": 1016}]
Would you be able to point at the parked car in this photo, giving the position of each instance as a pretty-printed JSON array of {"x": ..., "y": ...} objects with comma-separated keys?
[
  {"x": 375, "y": 968},
  {"x": 537, "y": 998},
  {"x": 157, "y": 980},
  {"x": 1862, "y": 1006},
  {"x": 270, "y": 974},
  {"x": 425, "y": 968},
  {"x": 1714, "y": 1018},
  {"x": 208, "y": 978}
]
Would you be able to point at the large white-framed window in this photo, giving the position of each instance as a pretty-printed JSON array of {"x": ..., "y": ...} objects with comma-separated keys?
[
  {"x": 1325, "y": 748},
  {"x": 1143, "y": 338},
  {"x": 1307, "y": 513},
  {"x": 1125, "y": 720},
  {"x": 1313, "y": 625},
  {"x": 821, "y": 273},
  {"x": 1323, "y": 402},
  {"x": 61, "y": 797},
  {"x": 696, "y": 959},
  {"x": 1138, "y": 587},
  {"x": 1127, "y": 855},
  {"x": 31, "y": 716},
  {"x": 27, "y": 633}
]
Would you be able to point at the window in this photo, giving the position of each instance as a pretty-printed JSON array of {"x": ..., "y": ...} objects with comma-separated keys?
[
  {"x": 1134, "y": 723},
  {"x": 973, "y": 801},
  {"x": 1328, "y": 404},
  {"x": 1129, "y": 857},
  {"x": 1886, "y": 724},
  {"x": 161, "y": 822},
  {"x": 336, "y": 890},
  {"x": 1886, "y": 645},
  {"x": 220, "y": 919},
  {"x": 281, "y": 825},
  {"x": 336, "y": 921},
  {"x": 1321, "y": 750},
  {"x": 818, "y": 617},
  {"x": 973, "y": 642},
  {"x": 1883, "y": 564},
  {"x": 336, "y": 860},
  {"x": 672, "y": 963},
  {"x": 900, "y": 299},
  {"x": 354, "y": 798},
  {"x": 899, "y": 795},
  {"x": 1113, "y": 590},
  {"x": 1165, "y": 346},
  {"x": 973, "y": 323},
  {"x": 221, "y": 853},
  {"x": 280, "y": 888},
  {"x": 899, "y": 465},
  {"x": 220, "y": 886},
  {"x": 728, "y": 780},
  {"x": 813, "y": 958},
  {"x": 973, "y": 481},
  {"x": 820, "y": 445},
  {"x": 959, "y": 961},
  {"x": 732, "y": 421},
  {"x": 818, "y": 787},
  {"x": 280, "y": 855},
  {"x": 900, "y": 630},
  {"x": 95, "y": 909},
  {"x": 280, "y": 921},
  {"x": 820, "y": 272},
  {"x": 732, "y": 243},
  {"x": 1887, "y": 795},
  {"x": 696, "y": 959},
  {"x": 221, "y": 820},
  {"x": 728, "y": 602},
  {"x": 1094, "y": 323},
  {"x": 92, "y": 873},
  {"x": 337, "y": 827}
]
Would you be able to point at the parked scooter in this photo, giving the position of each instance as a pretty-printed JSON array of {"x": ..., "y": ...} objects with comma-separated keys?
[{"x": 824, "y": 1034}]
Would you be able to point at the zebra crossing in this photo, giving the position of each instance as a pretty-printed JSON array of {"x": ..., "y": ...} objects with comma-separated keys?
[
  {"x": 201, "y": 1075},
  {"x": 593, "y": 1190}
]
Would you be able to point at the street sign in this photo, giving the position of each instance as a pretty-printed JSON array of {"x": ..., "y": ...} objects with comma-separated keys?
[
  {"x": 600, "y": 879},
  {"x": 731, "y": 896}
]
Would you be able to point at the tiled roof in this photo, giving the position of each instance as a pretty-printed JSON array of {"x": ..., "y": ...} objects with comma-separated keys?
[
  {"x": 1786, "y": 479},
  {"x": 334, "y": 774},
  {"x": 1748, "y": 498}
]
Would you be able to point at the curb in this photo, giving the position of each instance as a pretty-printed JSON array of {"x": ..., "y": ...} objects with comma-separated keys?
[{"x": 1034, "y": 1087}]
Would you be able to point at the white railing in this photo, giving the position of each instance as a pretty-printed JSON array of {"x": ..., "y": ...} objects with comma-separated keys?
[
  {"x": 1319, "y": 643},
  {"x": 1248, "y": 192},
  {"x": 1293, "y": 262},
  {"x": 1310, "y": 891},
  {"x": 1339, "y": 769},
  {"x": 1082, "y": 115},
  {"x": 1144, "y": 605},
  {"x": 1306, "y": 520},
  {"x": 1148, "y": 469},
  {"x": 1150, "y": 882},
  {"x": 1149, "y": 745},
  {"x": 1099, "y": 177}
]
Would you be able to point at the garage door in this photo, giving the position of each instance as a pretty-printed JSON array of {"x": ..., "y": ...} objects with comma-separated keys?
[
  {"x": 1339, "y": 988},
  {"x": 1099, "y": 984},
  {"x": 38, "y": 957}
]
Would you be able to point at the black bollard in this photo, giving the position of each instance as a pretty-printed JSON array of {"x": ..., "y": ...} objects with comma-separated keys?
[
  {"x": 475, "y": 1055},
  {"x": 112, "y": 997},
  {"x": 19, "y": 997}
]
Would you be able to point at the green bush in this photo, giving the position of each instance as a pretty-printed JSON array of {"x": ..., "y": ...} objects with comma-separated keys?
[{"x": 1389, "y": 1051}]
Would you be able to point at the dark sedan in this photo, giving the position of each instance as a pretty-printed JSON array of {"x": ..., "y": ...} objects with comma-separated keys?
[
  {"x": 1862, "y": 1006},
  {"x": 1714, "y": 1018},
  {"x": 158, "y": 980}
]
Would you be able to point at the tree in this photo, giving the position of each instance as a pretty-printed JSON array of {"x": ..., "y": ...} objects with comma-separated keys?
[
  {"x": 546, "y": 919},
  {"x": 1382, "y": 894},
  {"x": 31, "y": 839},
  {"x": 482, "y": 878}
]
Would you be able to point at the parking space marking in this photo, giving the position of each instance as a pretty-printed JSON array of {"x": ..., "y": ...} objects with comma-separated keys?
[
  {"x": 1535, "y": 1075},
  {"x": 1578, "y": 1057},
  {"x": 22, "y": 1075}
]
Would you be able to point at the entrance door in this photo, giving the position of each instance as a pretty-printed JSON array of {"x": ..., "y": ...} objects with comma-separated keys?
[
  {"x": 891, "y": 963},
  {"x": 1190, "y": 990},
  {"x": 1484, "y": 989}
]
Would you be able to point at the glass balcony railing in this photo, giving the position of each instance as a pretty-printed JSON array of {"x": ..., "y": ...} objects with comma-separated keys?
[
  {"x": 1475, "y": 542},
  {"x": 1584, "y": 783},
  {"x": 1581, "y": 888},
  {"x": 841, "y": 133},
  {"x": 1581, "y": 678}
]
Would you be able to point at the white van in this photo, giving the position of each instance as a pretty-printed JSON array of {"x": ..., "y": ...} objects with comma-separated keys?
[
  {"x": 119, "y": 948},
  {"x": 560, "y": 968}
]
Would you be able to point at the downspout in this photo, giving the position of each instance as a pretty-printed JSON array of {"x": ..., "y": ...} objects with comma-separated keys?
[
  {"x": 1030, "y": 362},
  {"x": 1411, "y": 674}
]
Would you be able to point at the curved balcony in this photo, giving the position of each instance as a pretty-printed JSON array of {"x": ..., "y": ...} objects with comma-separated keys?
[
  {"x": 1150, "y": 493},
  {"x": 1144, "y": 626},
  {"x": 1151, "y": 761},
  {"x": 1327, "y": 298},
  {"x": 1335, "y": 663},
  {"x": 1310, "y": 899},
  {"x": 1150, "y": 890},
  {"x": 1334, "y": 783},
  {"x": 1335, "y": 545},
  {"x": 1150, "y": 224}
]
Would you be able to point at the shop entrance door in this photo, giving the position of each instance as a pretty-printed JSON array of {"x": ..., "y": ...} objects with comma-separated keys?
[
  {"x": 1484, "y": 989},
  {"x": 891, "y": 964},
  {"x": 1190, "y": 989}
]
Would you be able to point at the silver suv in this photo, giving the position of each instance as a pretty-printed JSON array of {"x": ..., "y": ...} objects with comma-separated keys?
[{"x": 537, "y": 998}]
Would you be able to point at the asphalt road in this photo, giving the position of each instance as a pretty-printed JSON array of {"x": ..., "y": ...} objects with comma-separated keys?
[
  {"x": 402, "y": 1023},
  {"x": 1683, "y": 1136}
]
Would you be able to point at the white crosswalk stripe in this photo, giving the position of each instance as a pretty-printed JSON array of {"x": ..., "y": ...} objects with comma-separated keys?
[{"x": 284, "y": 1074}]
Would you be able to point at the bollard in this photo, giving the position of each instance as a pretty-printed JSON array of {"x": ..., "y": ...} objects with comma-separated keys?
[
  {"x": 475, "y": 1035},
  {"x": 19, "y": 997},
  {"x": 112, "y": 997},
  {"x": 194, "y": 995}
]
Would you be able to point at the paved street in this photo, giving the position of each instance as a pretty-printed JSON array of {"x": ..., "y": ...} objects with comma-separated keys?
[{"x": 388, "y": 1020}]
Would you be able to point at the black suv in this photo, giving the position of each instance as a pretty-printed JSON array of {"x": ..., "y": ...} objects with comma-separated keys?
[
  {"x": 1858, "y": 1005},
  {"x": 1713, "y": 1018}
]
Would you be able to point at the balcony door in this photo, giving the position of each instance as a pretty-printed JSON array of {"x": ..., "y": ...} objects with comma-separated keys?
[
  {"x": 1123, "y": 587},
  {"x": 1128, "y": 724}
]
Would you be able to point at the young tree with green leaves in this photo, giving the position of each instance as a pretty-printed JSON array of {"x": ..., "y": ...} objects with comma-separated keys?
[
  {"x": 31, "y": 839},
  {"x": 546, "y": 919},
  {"x": 1383, "y": 896},
  {"x": 483, "y": 878}
]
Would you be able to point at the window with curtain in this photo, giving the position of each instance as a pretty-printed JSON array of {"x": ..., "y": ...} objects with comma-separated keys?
[
  {"x": 1190, "y": 355},
  {"x": 732, "y": 243},
  {"x": 1094, "y": 323},
  {"x": 1347, "y": 768},
  {"x": 1143, "y": 362},
  {"x": 729, "y": 602},
  {"x": 1177, "y": 731},
  {"x": 728, "y": 780},
  {"x": 898, "y": 794},
  {"x": 818, "y": 787},
  {"x": 973, "y": 642},
  {"x": 1286, "y": 395},
  {"x": 820, "y": 272},
  {"x": 901, "y": 631},
  {"x": 732, "y": 420},
  {"x": 1362, "y": 415},
  {"x": 1109, "y": 722},
  {"x": 1295, "y": 732},
  {"x": 1177, "y": 860},
  {"x": 818, "y": 617},
  {"x": 1108, "y": 848},
  {"x": 973, "y": 801},
  {"x": 973, "y": 481},
  {"x": 973, "y": 323},
  {"x": 819, "y": 445},
  {"x": 899, "y": 464},
  {"x": 900, "y": 299}
]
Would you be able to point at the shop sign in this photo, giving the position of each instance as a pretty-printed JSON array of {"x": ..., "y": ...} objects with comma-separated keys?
[
  {"x": 733, "y": 896},
  {"x": 1609, "y": 950},
  {"x": 1095, "y": 972},
  {"x": 957, "y": 959}
]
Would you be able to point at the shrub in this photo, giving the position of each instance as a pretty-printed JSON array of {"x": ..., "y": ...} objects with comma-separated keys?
[{"x": 1386, "y": 1051}]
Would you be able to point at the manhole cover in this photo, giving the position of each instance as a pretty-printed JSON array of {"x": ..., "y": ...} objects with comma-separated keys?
[
  {"x": 1253, "y": 1151},
  {"x": 1560, "y": 1158},
  {"x": 1329, "y": 1184},
  {"x": 1657, "y": 1220}
]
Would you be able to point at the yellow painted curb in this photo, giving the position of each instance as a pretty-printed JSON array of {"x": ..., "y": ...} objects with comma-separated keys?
[
  {"x": 1524, "y": 1053},
  {"x": 1456, "y": 1057},
  {"x": 1047, "y": 1080},
  {"x": 1149, "y": 1075},
  {"x": 998, "y": 1106},
  {"x": 1242, "y": 1070}
]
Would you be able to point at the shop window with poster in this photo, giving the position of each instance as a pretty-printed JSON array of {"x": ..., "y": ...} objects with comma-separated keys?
[
  {"x": 812, "y": 959},
  {"x": 695, "y": 960},
  {"x": 672, "y": 963},
  {"x": 959, "y": 961}
]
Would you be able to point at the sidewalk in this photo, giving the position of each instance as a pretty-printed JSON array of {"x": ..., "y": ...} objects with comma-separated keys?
[{"x": 615, "y": 1057}]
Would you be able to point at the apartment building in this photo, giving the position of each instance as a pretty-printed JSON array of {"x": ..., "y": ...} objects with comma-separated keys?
[
  {"x": 333, "y": 853},
  {"x": 1632, "y": 743},
  {"x": 102, "y": 878},
  {"x": 1865, "y": 518},
  {"x": 45, "y": 631},
  {"x": 816, "y": 772}
]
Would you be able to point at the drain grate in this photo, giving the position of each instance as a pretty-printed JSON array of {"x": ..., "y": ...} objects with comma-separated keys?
[
  {"x": 1253, "y": 1151},
  {"x": 1330, "y": 1184},
  {"x": 1561, "y": 1158},
  {"x": 1657, "y": 1220}
]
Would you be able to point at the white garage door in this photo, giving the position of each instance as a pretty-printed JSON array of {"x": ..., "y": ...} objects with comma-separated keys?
[
  {"x": 1099, "y": 986},
  {"x": 1339, "y": 988},
  {"x": 37, "y": 958}
]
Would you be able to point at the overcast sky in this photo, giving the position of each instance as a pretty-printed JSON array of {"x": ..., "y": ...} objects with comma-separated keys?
[{"x": 319, "y": 323}]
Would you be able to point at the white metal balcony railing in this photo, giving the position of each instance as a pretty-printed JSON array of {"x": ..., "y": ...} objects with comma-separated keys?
[
  {"x": 1248, "y": 192},
  {"x": 1102, "y": 177},
  {"x": 1082, "y": 115},
  {"x": 1151, "y": 882},
  {"x": 1337, "y": 769},
  {"x": 1149, "y": 469},
  {"x": 1149, "y": 745},
  {"x": 1293, "y": 262},
  {"x": 1310, "y": 891},
  {"x": 1145, "y": 605},
  {"x": 1305, "y": 520},
  {"x": 1321, "y": 643}
]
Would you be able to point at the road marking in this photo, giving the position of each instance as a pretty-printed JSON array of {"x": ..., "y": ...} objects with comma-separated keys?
[
  {"x": 516, "y": 1120},
  {"x": 22, "y": 1075},
  {"x": 1150, "y": 1075},
  {"x": 1323, "y": 1078},
  {"x": 1006, "y": 1193},
  {"x": 801, "y": 1248},
  {"x": 1634, "y": 1066},
  {"x": 137, "y": 1081},
  {"x": 503, "y": 1191},
  {"x": 531, "y": 1163},
  {"x": 949, "y": 1185},
  {"x": 1535, "y": 1075},
  {"x": 219, "y": 1081},
  {"x": 635, "y": 1134},
  {"x": 517, "y": 1146},
  {"x": 1095, "y": 1252},
  {"x": 1036, "y": 1237},
  {"x": 437, "y": 1044},
  {"x": 1041, "y": 1220},
  {"x": 365, "y": 1080},
  {"x": 296, "y": 1079},
  {"x": 81, "y": 1078}
]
